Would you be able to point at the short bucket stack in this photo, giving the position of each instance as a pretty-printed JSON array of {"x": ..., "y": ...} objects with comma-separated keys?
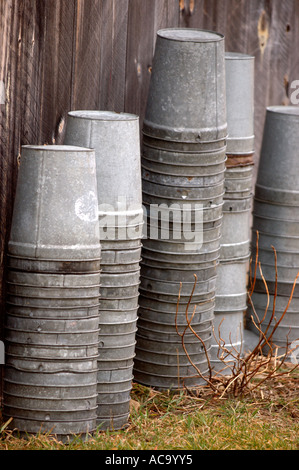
[
  {"x": 116, "y": 141},
  {"x": 183, "y": 166},
  {"x": 231, "y": 293},
  {"x": 52, "y": 311},
  {"x": 276, "y": 218}
]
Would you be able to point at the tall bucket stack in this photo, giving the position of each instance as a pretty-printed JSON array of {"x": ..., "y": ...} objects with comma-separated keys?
[
  {"x": 231, "y": 293},
  {"x": 183, "y": 166},
  {"x": 52, "y": 312},
  {"x": 276, "y": 218},
  {"x": 116, "y": 141}
]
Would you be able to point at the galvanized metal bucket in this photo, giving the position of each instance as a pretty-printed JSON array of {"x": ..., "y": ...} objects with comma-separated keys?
[
  {"x": 64, "y": 178},
  {"x": 171, "y": 115},
  {"x": 260, "y": 301},
  {"x": 187, "y": 172},
  {"x": 119, "y": 303},
  {"x": 120, "y": 257},
  {"x": 170, "y": 317},
  {"x": 118, "y": 316},
  {"x": 50, "y": 402},
  {"x": 174, "y": 380},
  {"x": 183, "y": 258},
  {"x": 157, "y": 286},
  {"x": 59, "y": 281},
  {"x": 170, "y": 307},
  {"x": 53, "y": 352},
  {"x": 284, "y": 273},
  {"x": 184, "y": 235},
  {"x": 280, "y": 138},
  {"x": 72, "y": 313},
  {"x": 184, "y": 197},
  {"x": 37, "y": 265},
  {"x": 44, "y": 325},
  {"x": 232, "y": 276},
  {"x": 229, "y": 328},
  {"x": 228, "y": 335},
  {"x": 65, "y": 429},
  {"x": 174, "y": 344},
  {"x": 239, "y": 71},
  {"x": 231, "y": 302},
  {"x": 280, "y": 242},
  {"x": 164, "y": 160},
  {"x": 51, "y": 366},
  {"x": 280, "y": 227},
  {"x": 53, "y": 303},
  {"x": 120, "y": 245},
  {"x": 207, "y": 243},
  {"x": 210, "y": 212},
  {"x": 183, "y": 180},
  {"x": 155, "y": 330},
  {"x": 123, "y": 293},
  {"x": 51, "y": 338},
  {"x": 237, "y": 186},
  {"x": 114, "y": 388},
  {"x": 109, "y": 352},
  {"x": 285, "y": 335},
  {"x": 180, "y": 275},
  {"x": 276, "y": 210},
  {"x": 194, "y": 193},
  {"x": 115, "y": 139},
  {"x": 235, "y": 241},
  {"x": 178, "y": 264},
  {"x": 183, "y": 146},
  {"x": 116, "y": 364},
  {"x": 174, "y": 360}
]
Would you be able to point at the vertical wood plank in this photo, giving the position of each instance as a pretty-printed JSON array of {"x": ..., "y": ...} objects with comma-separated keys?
[
  {"x": 192, "y": 14},
  {"x": 18, "y": 114},
  {"x": 6, "y": 168},
  {"x": 140, "y": 49},
  {"x": 114, "y": 30},
  {"x": 86, "y": 55},
  {"x": 167, "y": 15},
  {"x": 56, "y": 52}
]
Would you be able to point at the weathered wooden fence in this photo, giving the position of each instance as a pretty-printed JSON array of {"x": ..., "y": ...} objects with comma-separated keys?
[{"x": 58, "y": 55}]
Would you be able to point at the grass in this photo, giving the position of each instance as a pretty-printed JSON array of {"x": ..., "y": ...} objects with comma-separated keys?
[{"x": 266, "y": 419}]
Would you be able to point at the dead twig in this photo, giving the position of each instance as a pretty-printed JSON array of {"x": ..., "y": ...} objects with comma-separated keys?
[{"x": 246, "y": 372}]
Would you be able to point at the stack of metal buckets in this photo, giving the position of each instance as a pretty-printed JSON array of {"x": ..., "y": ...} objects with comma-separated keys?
[
  {"x": 183, "y": 167},
  {"x": 231, "y": 292},
  {"x": 276, "y": 218},
  {"x": 52, "y": 315},
  {"x": 116, "y": 141}
]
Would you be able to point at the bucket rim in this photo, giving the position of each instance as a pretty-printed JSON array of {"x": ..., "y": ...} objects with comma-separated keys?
[
  {"x": 285, "y": 110},
  {"x": 238, "y": 56},
  {"x": 189, "y": 35},
  {"x": 57, "y": 148},
  {"x": 103, "y": 115}
]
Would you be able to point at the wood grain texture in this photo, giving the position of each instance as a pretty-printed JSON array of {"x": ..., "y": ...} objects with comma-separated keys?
[
  {"x": 140, "y": 49},
  {"x": 114, "y": 33},
  {"x": 58, "y": 55}
]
